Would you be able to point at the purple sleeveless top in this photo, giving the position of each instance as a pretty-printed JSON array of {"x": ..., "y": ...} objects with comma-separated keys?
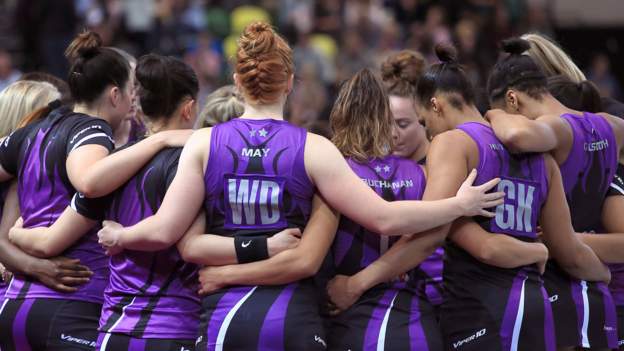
[
  {"x": 256, "y": 182},
  {"x": 589, "y": 169},
  {"x": 524, "y": 180},
  {"x": 150, "y": 294},
  {"x": 393, "y": 178},
  {"x": 36, "y": 154}
]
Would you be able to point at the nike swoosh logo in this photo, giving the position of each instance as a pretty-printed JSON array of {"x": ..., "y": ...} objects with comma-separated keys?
[{"x": 246, "y": 244}]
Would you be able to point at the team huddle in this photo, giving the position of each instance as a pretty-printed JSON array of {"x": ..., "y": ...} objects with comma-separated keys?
[{"x": 422, "y": 225}]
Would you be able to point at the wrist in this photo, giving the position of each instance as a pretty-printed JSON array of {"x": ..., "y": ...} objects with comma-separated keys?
[
  {"x": 358, "y": 284},
  {"x": 33, "y": 267}
]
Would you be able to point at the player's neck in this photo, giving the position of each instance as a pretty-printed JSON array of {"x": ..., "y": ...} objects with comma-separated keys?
[
  {"x": 273, "y": 111},
  {"x": 468, "y": 113}
]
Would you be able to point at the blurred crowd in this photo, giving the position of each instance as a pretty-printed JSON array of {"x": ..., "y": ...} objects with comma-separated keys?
[{"x": 332, "y": 39}]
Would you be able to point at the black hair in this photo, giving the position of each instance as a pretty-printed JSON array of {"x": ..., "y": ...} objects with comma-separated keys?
[
  {"x": 94, "y": 67},
  {"x": 516, "y": 71},
  {"x": 583, "y": 96},
  {"x": 163, "y": 82},
  {"x": 447, "y": 76}
]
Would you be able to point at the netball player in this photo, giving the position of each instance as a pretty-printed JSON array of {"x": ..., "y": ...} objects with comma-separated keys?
[
  {"x": 59, "y": 152},
  {"x": 391, "y": 316},
  {"x": 16, "y": 102},
  {"x": 400, "y": 73},
  {"x": 586, "y": 147},
  {"x": 257, "y": 174}
]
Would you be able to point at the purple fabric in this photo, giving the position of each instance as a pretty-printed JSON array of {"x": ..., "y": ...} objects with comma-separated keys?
[
  {"x": 511, "y": 311},
  {"x": 256, "y": 177},
  {"x": 272, "y": 332},
  {"x": 525, "y": 184},
  {"x": 19, "y": 326},
  {"x": 549, "y": 323},
  {"x": 374, "y": 323},
  {"x": 610, "y": 326},
  {"x": 577, "y": 297},
  {"x": 418, "y": 339},
  {"x": 227, "y": 302},
  {"x": 589, "y": 169}
]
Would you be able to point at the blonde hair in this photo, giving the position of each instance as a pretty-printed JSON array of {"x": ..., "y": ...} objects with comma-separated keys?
[
  {"x": 551, "y": 58},
  {"x": 221, "y": 106},
  {"x": 361, "y": 119},
  {"x": 22, "y": 98}
]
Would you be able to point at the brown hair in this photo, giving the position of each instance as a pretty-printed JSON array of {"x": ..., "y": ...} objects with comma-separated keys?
[
  {"x": 264, "y": 63},
  {"x": 400, "y": 72},
  {"x": 94, "y": 67},
  {"x": 361, "y": 119}
]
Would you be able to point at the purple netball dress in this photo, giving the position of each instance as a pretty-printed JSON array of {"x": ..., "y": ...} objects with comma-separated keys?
[
  {"x": 256, "y": 184},
  {"x": 491, "y": 308},
  {"x": 584, "y": 311},
  {"x": 393, "y": 316},
  {"x": 152, "y": 296},
  {"x": 36, "y": 155}
]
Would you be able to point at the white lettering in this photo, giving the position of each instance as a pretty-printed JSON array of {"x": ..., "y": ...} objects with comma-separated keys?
[
  {"x": 509, "y": 189},
  {"x": 320, "y": 340},
  {"x": 472, "y": 337},
  {"x": 273, "y": 187},
  {"x": 525, "y": 205},
  {"x": 241, "y": 198},
  {"x": 596, "y": 146},
  {"x": 254, "y": 152},
  {"x": 398, "y": 184},
  {"x": 77, "y": 340}
]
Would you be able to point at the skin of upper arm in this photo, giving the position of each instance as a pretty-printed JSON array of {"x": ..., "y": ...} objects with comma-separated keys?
[
  {"x": 447, "y": 164},
  {"x": 52, "y": 241},
  {"x": 612, "y": 210},
  {"x": 80, "y": 160},
  {"x": 339, "y": 185}
]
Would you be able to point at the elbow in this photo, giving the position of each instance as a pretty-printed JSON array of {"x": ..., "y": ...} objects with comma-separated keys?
[
  {"x": 87, "y": 188},
  {"x": 383, "y": 226},
  {"x": 305, "y": 268},
  {"x": 512, "y": 138},
  {"x": 44, "y": 251},
  {"x": 190, "y": 255}
]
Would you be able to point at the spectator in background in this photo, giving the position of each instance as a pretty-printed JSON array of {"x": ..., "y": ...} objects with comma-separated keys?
[
  {"x": 353, "y": 56},
  {"x": 600, "y": 73},
  {"x": 8, "y": 73},
  {"x": 221, "y": 106}
]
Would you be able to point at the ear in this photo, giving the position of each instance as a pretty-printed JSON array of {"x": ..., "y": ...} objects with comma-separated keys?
[
  {"x": 114, "y": 95},
  {"x": 511, "y": 100},
  {"x": 236, "y": 78},
  {"x": 291, "y": 82},
  {"x": 188, "y": 110},
  {"x": 436, "y": 106}
]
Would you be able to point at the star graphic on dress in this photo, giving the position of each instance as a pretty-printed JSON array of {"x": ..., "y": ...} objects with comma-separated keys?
[
  {"x": 262, "y": 132},
  {"x": 252, "y": 133},
  {"x": 386, "y": 168},
  {"x": 378, "y": 169}
]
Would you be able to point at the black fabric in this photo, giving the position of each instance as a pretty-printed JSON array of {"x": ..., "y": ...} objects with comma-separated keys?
[
  {"x": 11, "y": 146},
  {"x": 50, "y": 324},
  {"x": 251, "y": 249}
]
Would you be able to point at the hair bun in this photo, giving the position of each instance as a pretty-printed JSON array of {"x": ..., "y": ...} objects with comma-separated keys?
[
  {"x": 151, "y": 72},
  {"x": 446, "y": 53},
  {"x": 85, "y": 45},
  {"x": 405, "y": 66},
  {"x": 515, "y": 46},
  {"x": 257, "y": 38}
]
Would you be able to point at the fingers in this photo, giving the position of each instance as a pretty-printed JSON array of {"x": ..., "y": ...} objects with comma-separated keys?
[
  {"x": 494, "y": 196},
  {"x": 73, "y": 281},
  {"x": 487, "y": 214},
  {"x": 489, "y": 184},
  {"x": 490, "y": 204},
  {"x": 64, "y": 288},
  {"x": 75, "y": 273},
  {"x": 471, "y": 177},
  {"x": 296, "y": 232}
]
